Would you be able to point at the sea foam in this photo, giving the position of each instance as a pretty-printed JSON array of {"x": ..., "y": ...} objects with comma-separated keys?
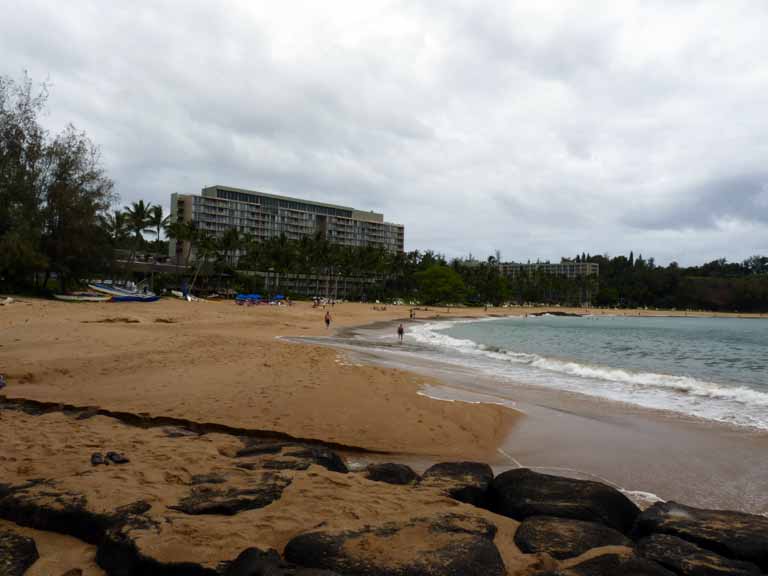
[{"x": 729, "y": 403}]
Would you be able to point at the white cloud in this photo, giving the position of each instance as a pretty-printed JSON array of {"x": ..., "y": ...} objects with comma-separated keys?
[{"x": 539, "y": 128}]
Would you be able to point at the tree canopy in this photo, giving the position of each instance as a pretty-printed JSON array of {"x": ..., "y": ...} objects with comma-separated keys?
[
  {"x": 54, "y": 193},
  {"x": 440, "y": 284}
]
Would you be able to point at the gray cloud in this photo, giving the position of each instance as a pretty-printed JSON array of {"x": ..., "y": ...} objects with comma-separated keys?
[
  {"x": 533, "y": 128},
  {"x": 742, "y": 198}
]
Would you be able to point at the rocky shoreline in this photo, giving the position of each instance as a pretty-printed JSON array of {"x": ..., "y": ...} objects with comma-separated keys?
[{"x": 194, "y": 502}]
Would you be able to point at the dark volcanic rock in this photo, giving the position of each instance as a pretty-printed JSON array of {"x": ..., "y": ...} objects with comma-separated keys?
[
  {"x": 287, "y": 464},
  {"x": 451, "y": 545},
  {"x": 464, "y": 481},
  {"x": 205, "y": 499},
  {"x": 119, "y": 555},
  {"x": 40, "y": 504},
  {"x": 522, "y": 493},
  {"x": 207, "y": 479},
  {"x": 17, "y": 553},
  {"x": 732, "y": 534},
  {"x": 324, "y": 457},
  {"x": 391, "y": 473},
  {"x": 616, "y": 565},
  {"x": 564, "y": 537},
  {"x": 289, "y": 456},
  {"x": 255, "y": 562},
  {"x": 689, "y": 560},
  {"x": 87, "y": 413}
]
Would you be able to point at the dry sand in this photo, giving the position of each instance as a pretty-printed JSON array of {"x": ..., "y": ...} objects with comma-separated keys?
[{"x": 218, "y": 362}]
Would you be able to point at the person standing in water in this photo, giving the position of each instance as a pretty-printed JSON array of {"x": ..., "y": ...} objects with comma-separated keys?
[
  {"x": 400, "y": 332},
  {"x": 327, "y": 320}
]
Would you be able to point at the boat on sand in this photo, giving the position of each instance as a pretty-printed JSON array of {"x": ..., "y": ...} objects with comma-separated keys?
[
  {"x": 121, "y": 291},
  {"x": 138, "y": 297},
  {"x": 82, "y": 297}
]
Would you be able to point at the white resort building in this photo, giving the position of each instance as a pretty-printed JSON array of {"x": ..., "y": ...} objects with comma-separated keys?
[{"x": 263, "y": 216}]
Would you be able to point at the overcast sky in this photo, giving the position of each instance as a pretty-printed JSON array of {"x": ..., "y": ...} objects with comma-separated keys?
[{"x": 540, "y": 129}]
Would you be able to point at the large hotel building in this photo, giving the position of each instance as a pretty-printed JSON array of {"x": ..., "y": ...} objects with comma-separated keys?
[
  {"x": 567, "y": 269},
  {"x": 263, "y": 216}
]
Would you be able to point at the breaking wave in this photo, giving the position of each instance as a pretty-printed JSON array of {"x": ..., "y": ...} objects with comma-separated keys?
[{"x": 734, "y": 404}]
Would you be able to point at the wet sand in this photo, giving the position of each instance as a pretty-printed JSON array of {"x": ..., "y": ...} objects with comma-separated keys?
[{"x": 645, "y": 452}]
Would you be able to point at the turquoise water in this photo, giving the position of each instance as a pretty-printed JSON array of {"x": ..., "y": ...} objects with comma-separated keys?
[{"x": 713, "y": 368}]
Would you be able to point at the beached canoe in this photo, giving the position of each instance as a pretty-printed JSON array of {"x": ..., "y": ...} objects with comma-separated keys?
[
  {"x": 188, "y": 297},
  {"x": 117, "y": 291},
  {"x": 82, "y": 297},
  {"x": 150, "y": 297}
]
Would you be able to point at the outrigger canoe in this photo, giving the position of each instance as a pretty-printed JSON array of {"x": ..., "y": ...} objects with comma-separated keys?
[
  {"x": 119, "y": 292},
  {"x": 82, "y": 297},
  {"x": 149, "y": 297}
]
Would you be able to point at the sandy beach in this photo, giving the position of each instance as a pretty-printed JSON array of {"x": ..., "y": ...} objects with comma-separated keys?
[
  {"x": 218, "y": 362},
  {"x": 225, "y": 376}
]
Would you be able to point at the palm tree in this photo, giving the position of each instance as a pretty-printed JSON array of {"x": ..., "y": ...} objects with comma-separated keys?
[
  {"x": 205, "y": 244},
  {"x": 253, "y": 254},
  {"x": 158, "y": 220},
  {"x": 115, "y": 224},
  {"x": 230, "y": 243},
  {"x": 138, "y": 222},
  {"x": 181, "y": 231}
]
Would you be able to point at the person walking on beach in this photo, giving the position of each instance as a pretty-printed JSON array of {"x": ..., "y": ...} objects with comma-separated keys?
[
  {"x": 327, "y": 320},
  {"x": 400, "y": 332}
]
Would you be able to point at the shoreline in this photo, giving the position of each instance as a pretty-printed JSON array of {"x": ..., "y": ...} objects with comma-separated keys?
[
  {"x": 668, "y": 454},
  {"x": 347, "y": 335},
  {"x": 238, "y": 367}
]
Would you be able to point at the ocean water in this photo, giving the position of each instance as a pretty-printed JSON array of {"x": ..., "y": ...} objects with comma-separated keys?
[{"x": 711, "y": 368}]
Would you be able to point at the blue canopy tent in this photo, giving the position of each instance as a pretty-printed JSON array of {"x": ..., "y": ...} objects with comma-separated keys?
[{"x": 248, "y": 297}]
